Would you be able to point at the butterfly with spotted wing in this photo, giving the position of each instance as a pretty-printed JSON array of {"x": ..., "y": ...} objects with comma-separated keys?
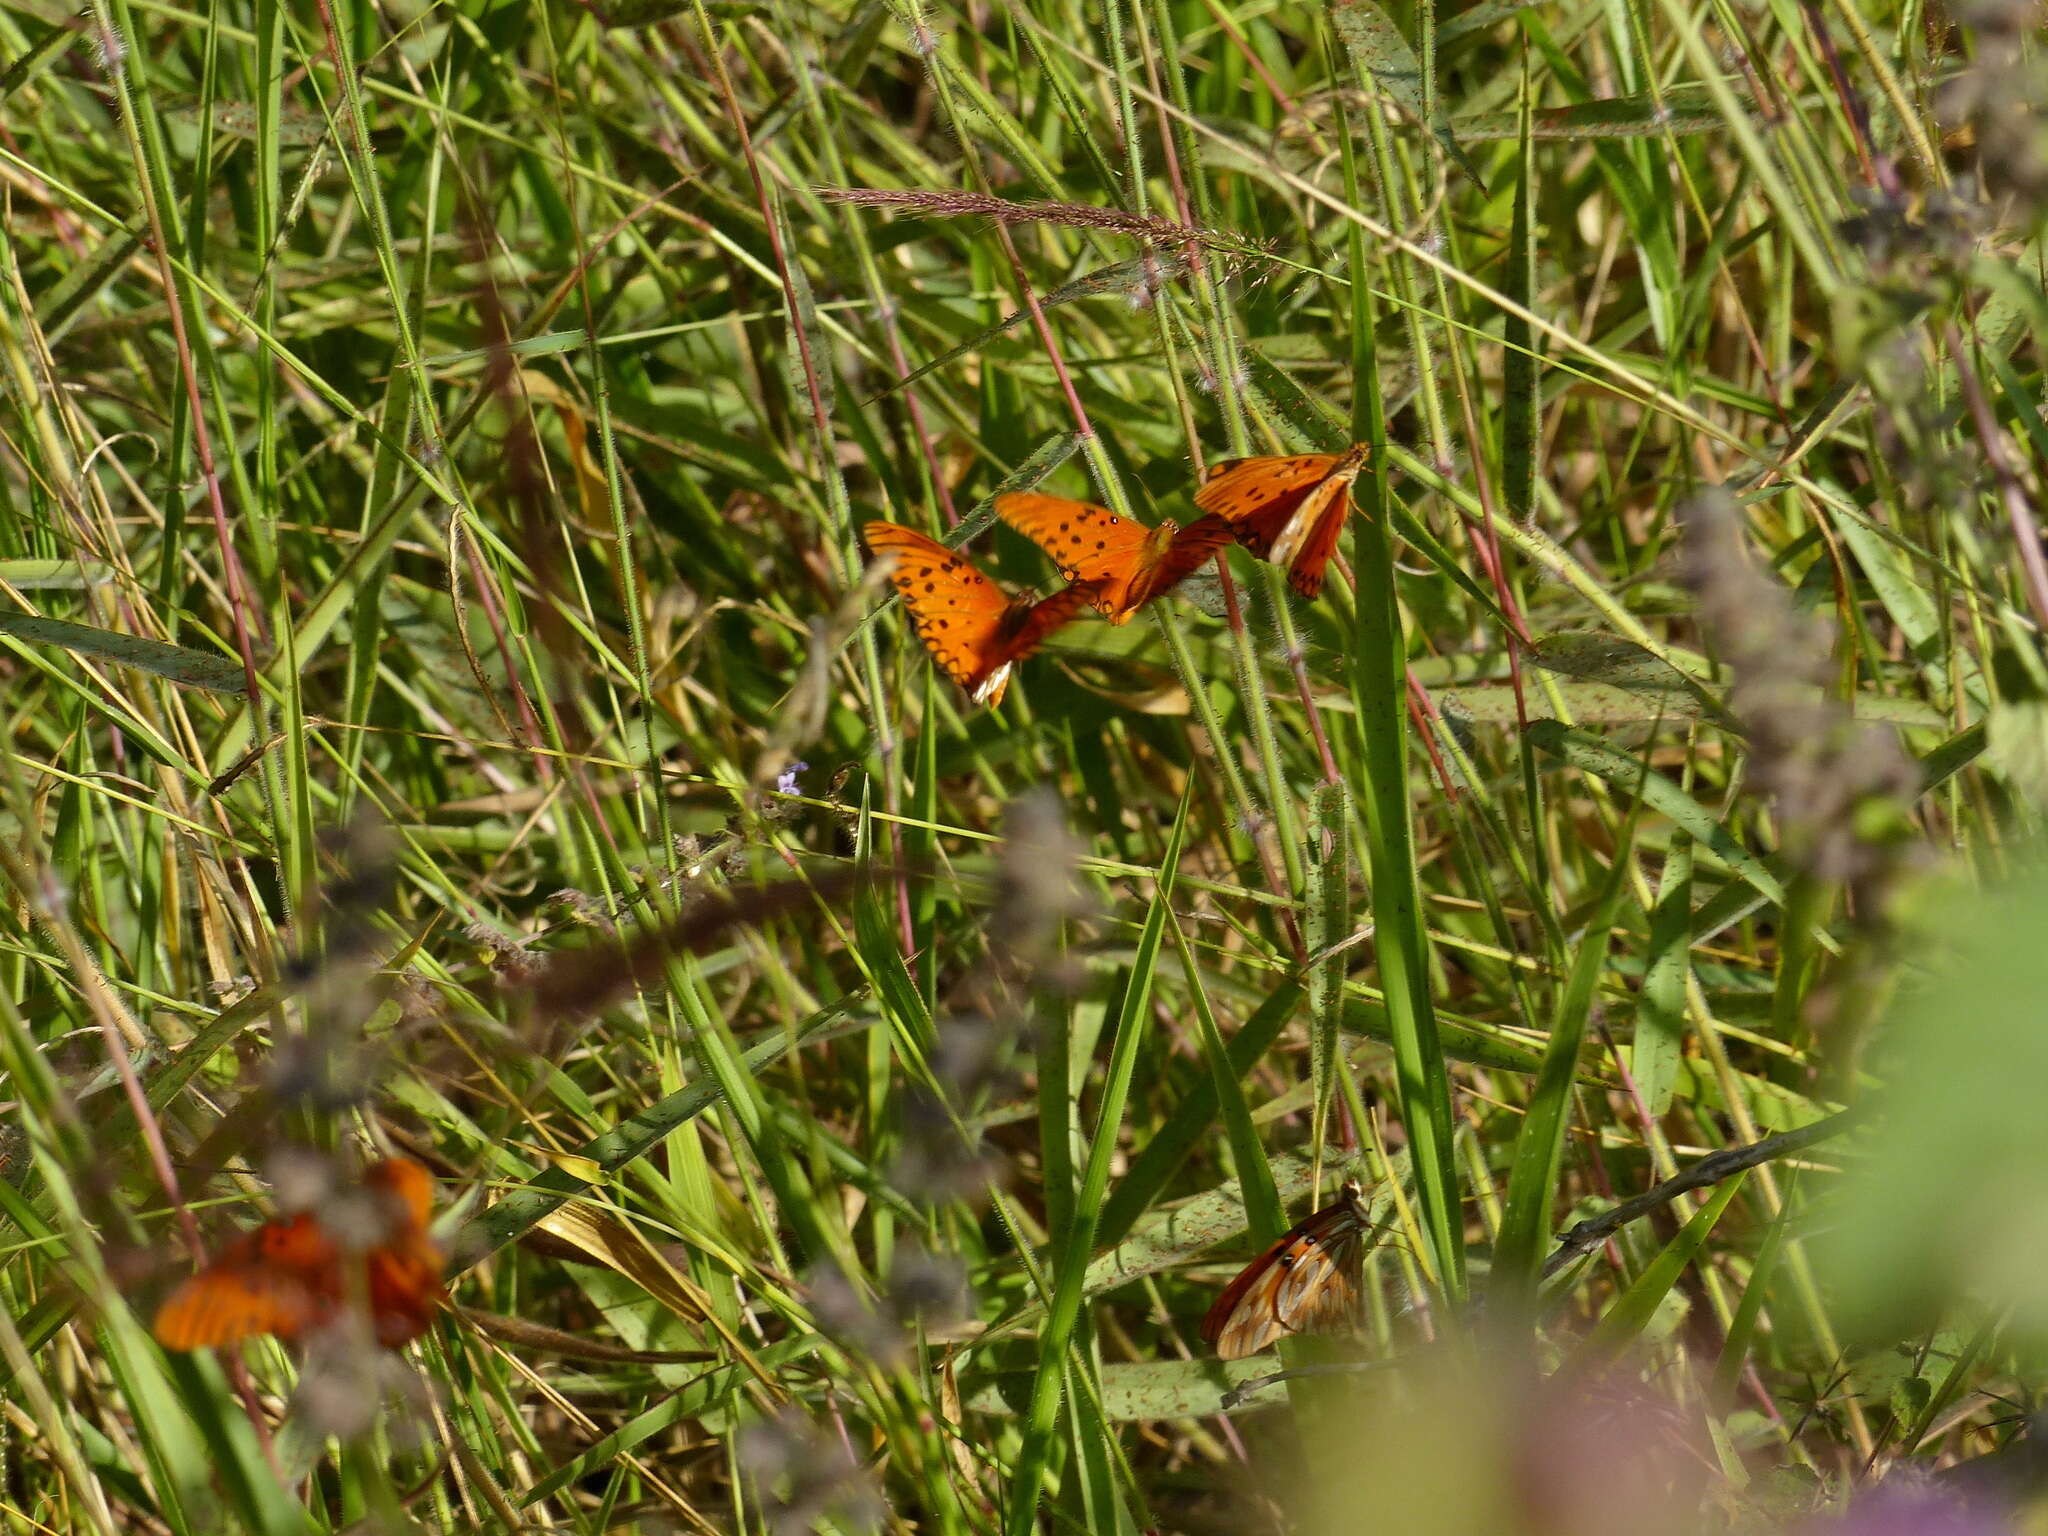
[
  {"x": 1289, "y": 510},
  {"x": 975, "y": 631},
  {"x": 293, "y": 1274},
  {"x": 1133, "y": 563},
  {"x": 1307, "y": 1282}
]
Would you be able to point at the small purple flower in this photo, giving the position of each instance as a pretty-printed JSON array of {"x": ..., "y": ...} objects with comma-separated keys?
[{"x": 785, "y": 781}]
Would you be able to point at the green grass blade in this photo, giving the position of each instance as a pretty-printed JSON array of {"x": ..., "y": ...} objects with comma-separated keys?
[
  {"x": 1660, "y": 1008},
  {"x": 1627, "y": 774},
  {"x": 1623, "y": 1323},
  {"x": 1327, "y": 920},
  {"x": 1377, "y": 668},
  {"x": 1070, "y": 1263},
  {"x": 1539, "y": 1147}
]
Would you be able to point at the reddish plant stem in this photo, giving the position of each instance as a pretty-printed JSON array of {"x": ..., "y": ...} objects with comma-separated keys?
[
  {"x": 1045, "y": 336},
  {"x": 906, "y": 926},
  {"x": 1877, "y": 170},
  {"x": 529, "y": 721},
  {"x": 901, "y": 363},
  {"x": 239, "y": 602},
  {"x": 1487, "y": 547},
  {"x": 1184, "y": 210},
  {"x": 886, "y": 746},
  {"x": 40, "y": 892},
  {"x": 1251, "y": 57},
  {"x": 2018, "y": 511},
  {"x": 1422, "y": 712},
  {"x": 1298, "y": 664}
]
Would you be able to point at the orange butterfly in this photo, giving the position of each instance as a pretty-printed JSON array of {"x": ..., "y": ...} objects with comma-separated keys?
[
  {"x": 1287, "y": 510},
  {"x": 1089, "y": 543},
  {"x": 1305, "y": 1283},
  {"x": 974, "y": 630},
  {"x": 291, "y": 1274}
]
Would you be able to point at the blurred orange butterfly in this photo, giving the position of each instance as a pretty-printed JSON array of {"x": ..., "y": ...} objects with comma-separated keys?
[
  {"x": 292, "y": 1274},
  {"x": 1287, "y": 510},
  {"x": 1307, "y": 1282},
  {"x": 1089, "y": 543},
  {"x": 974, "y": 630}
]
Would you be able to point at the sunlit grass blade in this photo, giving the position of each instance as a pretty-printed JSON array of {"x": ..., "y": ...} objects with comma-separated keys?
[
  {"x": 1255, "y": 1178},
  {"x": 1539, "y": 1146},
  {"x": 1177, "y": 1137},
  {"x": 1076, "y": 1243},
  {"x": 1378, "y": 663},
  {"x": 1660, "y": 1010},
  {"x": 1634, "y": 1309},
  {"x": 1327, "y": 920}
]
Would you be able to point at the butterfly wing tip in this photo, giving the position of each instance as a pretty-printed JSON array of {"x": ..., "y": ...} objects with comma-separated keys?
[
  {"x": 989, "y": 690},
  {"x": 1237, "y": 1343}
]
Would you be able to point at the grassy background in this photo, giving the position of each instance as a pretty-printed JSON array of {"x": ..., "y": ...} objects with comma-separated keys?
[{"x": 431, "y": 441}]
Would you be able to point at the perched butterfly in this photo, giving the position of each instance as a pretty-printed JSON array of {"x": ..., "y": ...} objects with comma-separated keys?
[
  {"x": 1089, "y": 543},
  {"x": 1305, "y": 1283},
  {"x": 1286, "y": 510},
  {"x": 293, "y": 1274},
  {"x": 974, "y": 630}
]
